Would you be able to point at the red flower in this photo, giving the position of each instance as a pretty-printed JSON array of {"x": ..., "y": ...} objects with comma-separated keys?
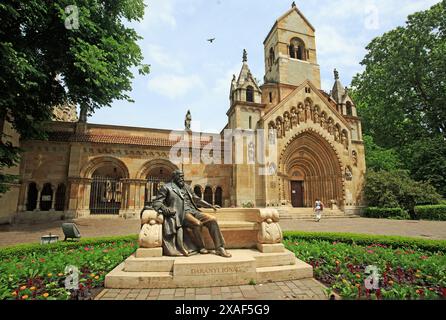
[
  {"x": 86, "y": 249},
  {"x": 370, "y": 251},
  {"x": 443, "y": 292}
]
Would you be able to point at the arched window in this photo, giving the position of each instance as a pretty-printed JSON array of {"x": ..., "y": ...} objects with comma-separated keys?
[
  {"x": 219, "y": 196},
  {"x": 297, "y": 49},
  {"x": 250, "y": 94},
  {"x": 349, "y": 108},
  {"x": 31, "y": 204},
  {"x": 272, "y": 57},
  {"x": 46, "y": 197},
  {"x": 208, "y": 195},
  {"x": 197, "y": 191},
  {"x": 60, "y": 198}
]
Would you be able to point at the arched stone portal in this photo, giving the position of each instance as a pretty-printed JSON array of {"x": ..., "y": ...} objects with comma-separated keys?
[{"x": 310, "y": 169}]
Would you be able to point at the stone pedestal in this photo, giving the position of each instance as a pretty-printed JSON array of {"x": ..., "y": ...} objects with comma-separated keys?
[{"x": 253, "y": 236}]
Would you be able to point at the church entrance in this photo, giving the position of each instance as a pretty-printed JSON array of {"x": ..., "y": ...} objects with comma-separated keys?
[
  {"x": 297, "y": 194},
  {"x": 311, "y": 170}
]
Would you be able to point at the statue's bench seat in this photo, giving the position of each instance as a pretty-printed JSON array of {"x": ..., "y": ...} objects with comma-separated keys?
[{"x": 241, "y": 228}]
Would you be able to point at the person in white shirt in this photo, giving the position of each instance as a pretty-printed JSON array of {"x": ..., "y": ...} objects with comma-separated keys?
[{"x": 318, "y": 208}]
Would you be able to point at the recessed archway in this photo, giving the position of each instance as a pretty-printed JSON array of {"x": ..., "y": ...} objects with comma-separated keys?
[{"x": 311, "y": 170}]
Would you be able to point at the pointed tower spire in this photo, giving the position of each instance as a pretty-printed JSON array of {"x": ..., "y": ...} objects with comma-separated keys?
[{"x": 338, "y": 91}]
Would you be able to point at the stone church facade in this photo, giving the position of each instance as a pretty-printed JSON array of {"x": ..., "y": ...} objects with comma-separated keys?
[{"x": 315, "y": 147}]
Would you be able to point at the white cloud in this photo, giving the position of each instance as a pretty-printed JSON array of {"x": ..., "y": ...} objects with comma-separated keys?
[
  {"x": 159, "y": 14},
  {"x": 175, "y": 86},
  {"x": 161, "y": 57}
]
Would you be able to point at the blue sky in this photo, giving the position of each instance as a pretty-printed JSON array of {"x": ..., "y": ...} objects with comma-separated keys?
[{"x": 190, "y": 73}]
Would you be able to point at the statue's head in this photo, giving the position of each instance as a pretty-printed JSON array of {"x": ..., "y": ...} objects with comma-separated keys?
[{"x": 178, "y": 178}]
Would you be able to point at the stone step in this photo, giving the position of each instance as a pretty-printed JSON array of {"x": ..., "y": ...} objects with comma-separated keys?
[
  {"x": 164, "y": 264},
  {"x": 120, "y": 279},
  {"x": 299, "y": 270},
  {"x": 275, "y": 259}
]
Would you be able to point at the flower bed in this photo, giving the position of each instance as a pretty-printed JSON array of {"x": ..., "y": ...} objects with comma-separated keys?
[
  {"x": 407, "y": 271},
  {"x": 36, "y": 272}
]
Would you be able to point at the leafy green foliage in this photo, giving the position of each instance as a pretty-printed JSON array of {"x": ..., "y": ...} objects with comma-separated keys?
[
  {"x": 437, "y": 212},
  {"x": 401, "y": 98},
  {"x": 387, "y": 213},
  {"x": 366, "y": 240},
  {"x": 402, "y": 92},
  {"x": 44, "y": 64},
  {"x": 378, "y": 158},
  {"x": 426, "y": 161},
  {"x": 396, "y": 189}
]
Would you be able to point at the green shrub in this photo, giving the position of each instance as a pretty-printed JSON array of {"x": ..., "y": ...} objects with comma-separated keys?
[
  {"x": 386, "y": 213},
  {"x": 35, "y": 248},
  {"x": 362, "y": 239},
  {"x": 396, "y": 189},
  {"x": 437, "y": 212}
]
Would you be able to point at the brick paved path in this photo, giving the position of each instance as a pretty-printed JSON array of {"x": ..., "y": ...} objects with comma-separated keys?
[
  {"x": 10, "y": 235},
  {"x": 307, "y": 289}
]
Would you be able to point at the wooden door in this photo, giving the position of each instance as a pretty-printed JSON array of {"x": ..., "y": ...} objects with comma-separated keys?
[{"x": 297, "y": 194}]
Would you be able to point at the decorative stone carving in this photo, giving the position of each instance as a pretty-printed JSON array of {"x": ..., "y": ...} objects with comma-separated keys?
[
  {"x": 65, "y": 113},
  {"x": 301, "y": 113},
  {"x": 336, "y": 134},
  {"x": 270, "y": 231},
  {"x": 272, "y": 134},
  {"x": 307, "y": 111},
  {"x": 355, "y": 158},
  {"x": 344, "y": 140},
  {"x": 294, "y": 118},
  {"x": 286, "y": 122},
  {"x": 151, "y": 234},
  {"x": 330, "y": 126},
  {"x": 348, "y": 174},
  {"x": 279, "y": 128},
  {"x": 316, "y": 116}
]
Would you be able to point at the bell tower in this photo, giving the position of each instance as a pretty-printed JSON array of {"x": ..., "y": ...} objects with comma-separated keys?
[{"x": 290, "y": 51}]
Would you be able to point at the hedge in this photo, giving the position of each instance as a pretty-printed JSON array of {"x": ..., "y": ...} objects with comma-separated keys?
[
  {"x": 387, "y": 213},
  {"x": 23, "y": 249},
  {"x": 363, "y": 239},
  {"x": 436, "y": 212}
]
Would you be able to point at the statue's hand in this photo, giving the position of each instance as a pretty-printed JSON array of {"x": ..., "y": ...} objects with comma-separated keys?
[
  {"x": 216, "y": 208},
  {"x": 168, "y": 213}
]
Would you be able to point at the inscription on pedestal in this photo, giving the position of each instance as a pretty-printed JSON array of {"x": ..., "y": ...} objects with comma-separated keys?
[{"x": 218, "y": 270}]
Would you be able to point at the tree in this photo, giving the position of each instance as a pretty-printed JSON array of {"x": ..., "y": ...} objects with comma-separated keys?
[
  {"x": 426, "y": 160},
  {"x": 63, "y": 51},
  {"x": 402, "y": 92},
  {"x": 380, "y": 159}
]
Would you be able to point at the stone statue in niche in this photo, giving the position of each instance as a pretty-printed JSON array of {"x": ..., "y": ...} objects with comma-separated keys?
[
  {"x": 286, "y": 122},
  {"x": 301, "y": 113},
  {"x": 348, "y": 174},
  {"x": 337, "y": 136},
  {"x": 294, "y": 118},
  {"x": 355, "y": 158},
  {"x": 272, "y": 134},
  {"x": 316, "y": 116},
  {"x": 307, "y": 111},
  {"x": 279, "y": 128},
  {"x": 344, "y": 140},
  {"x": 330, "y": 126},
  {"x": 323, "y": 122}
]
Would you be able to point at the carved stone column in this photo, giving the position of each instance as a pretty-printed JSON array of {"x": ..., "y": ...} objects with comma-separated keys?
[
  {"x": 53, "y": 198},
  {"x": 39, "y": 195}
]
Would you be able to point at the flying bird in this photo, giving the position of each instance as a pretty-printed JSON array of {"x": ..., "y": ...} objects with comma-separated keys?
[{"x": 211, "y": 40}]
